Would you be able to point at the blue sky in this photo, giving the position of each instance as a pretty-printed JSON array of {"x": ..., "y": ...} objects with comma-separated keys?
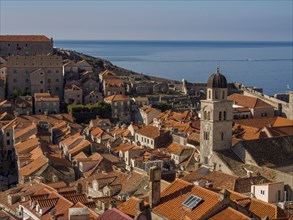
[{"x": 149, "y": 20}]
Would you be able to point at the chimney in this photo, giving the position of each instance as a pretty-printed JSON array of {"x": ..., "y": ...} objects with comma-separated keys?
[
  {"x": 78, "y": 188},
  {"x": 155, "y": 186}
]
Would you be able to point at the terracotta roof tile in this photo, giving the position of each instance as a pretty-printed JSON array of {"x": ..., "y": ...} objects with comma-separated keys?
[
  {"x": 229, "y": 214},
  {"x": 33, "y": 166},
  {"x": 219, "y": 179},
  {"x": 176, "y": 193},
  {"x": 129, "y": 206},
  {"x": 150, "y": 131},
  {"x": 24, "y": 38},
  {"x": 258, "y": 207},
  {"x": 114, "y": 214},
  {"x": 248, "y": 101},
  {"x": 117, "y": 98},
  {"x": 113, "y": 82}
]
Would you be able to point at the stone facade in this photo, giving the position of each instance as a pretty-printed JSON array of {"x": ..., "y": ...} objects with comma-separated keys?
[
  {"x": 121, "y": 107},
  {"x": 35, "y": 74},
  {"x": 25, "y": 45},
  {"x": 45, "y": 103},
  {"x": 73, "y": 94}
]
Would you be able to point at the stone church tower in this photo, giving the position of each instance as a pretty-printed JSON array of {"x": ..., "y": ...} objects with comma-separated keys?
[{"x": 216, "y": 118}]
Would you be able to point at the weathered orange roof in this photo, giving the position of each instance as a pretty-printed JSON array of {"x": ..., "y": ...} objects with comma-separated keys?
[
  {"x": 27, "y": 145},
  {"x": 81, "y": 146},
  {"x": 256, "y": 206},
  {"x": 46, "y": 98},
  {"x": 219, "y": 179},
  {"x": 25, "y": 130},
  {"x": 248, "y": 101},
  {"x": 24, "y": 38},
  {"x": 174, "y": 147},
  {"x": 229, "y": 214},
  {"x": 129, "y": 206},
  {"x": 148, "y": 109},
  {"x": 265, "y": 121},
  {"x": 176, "y": 193},
  {"x": 117, "y": 98},
  {"x": 113, "y": 82},
  {"x": 68, "y": 141},
  {"x": 107, "y": 72},
  {"x": 150, "y": 131},
  {"x": 33, "y": 166}
]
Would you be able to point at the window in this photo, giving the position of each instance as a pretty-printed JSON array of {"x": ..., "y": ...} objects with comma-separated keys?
[
  {"x": 192, "y": 201},
  {"x": 205, "y": 115},
  {"x": 7, "y": 134},
  {"x": 41, "y": 81},
  {"x": 262, "y": 192},
  {"x": 8, "y": 45},
  {"x": 206, "y": 135},
  {"x": 216, "y": 95},
  {"x": 209, "y": 115},
  {"x": 8, "y": 142},
  {"x": 222, "y": 136},
  {"x": 224, "y": 115},
  {"x": 220, "y": 116},
  {"x": 223, "y": 94},
  {"x": 57, "y": 88},
  {"x": 209, "y": 94},
  {"x": 152, "y": 142},
  {"x": 41, "y": 73}
]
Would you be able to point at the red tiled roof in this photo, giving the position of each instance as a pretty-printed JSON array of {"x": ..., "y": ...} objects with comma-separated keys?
[
  {"x": 114, "y": 214},
  {"x": 117, "y": 98},
  {"x": 229, "y": 214},
  {"x": 150, "y": 131},
  {"x": 24, "y": 38},
  {"x": 33, "y": 166},
  {"x": 176, "y": 193},
  {"x": 129, "y": 206},
  {"x": 248, "y": 101},
  {"x": 258, "y": 207}
]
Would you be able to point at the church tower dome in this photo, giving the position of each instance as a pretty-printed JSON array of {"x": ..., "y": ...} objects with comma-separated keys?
[{"x": 217, "y": 80}]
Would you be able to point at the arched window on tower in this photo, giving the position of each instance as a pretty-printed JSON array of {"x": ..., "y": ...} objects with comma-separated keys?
[
  {"x": 209, "y": 94},
  {"x": 205, "y": 115},
  {"x": 216, "y": 94},
  {"x": 209, "y": 115},
  {"x": 220, "y": 116},
  {"x": 225, "y": 116},
  {"x": 223, "y": 95}
]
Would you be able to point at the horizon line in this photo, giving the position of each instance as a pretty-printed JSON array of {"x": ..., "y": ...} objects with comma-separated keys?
[{"x": 180, "y": 40}]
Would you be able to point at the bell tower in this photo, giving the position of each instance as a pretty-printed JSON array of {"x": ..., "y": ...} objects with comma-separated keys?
[{"x": 216, "y": 118}]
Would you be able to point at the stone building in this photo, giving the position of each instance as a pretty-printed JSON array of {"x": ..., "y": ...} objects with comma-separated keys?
[
  {"x": 216, "y": 118},
  {"x": 35, "y": 74},
  {"x": 73, "y": 93},
  {"x": 113, "y": 85},
  {"x": 121, "y": 107},
  {"x": 248, "y": 107},
  {"x": 25, "y": 45},
  {"x": 45, "y": 103}
]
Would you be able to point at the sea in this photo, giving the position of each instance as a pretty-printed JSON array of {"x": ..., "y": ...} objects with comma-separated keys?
[{"x": 268, "y": 65}]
